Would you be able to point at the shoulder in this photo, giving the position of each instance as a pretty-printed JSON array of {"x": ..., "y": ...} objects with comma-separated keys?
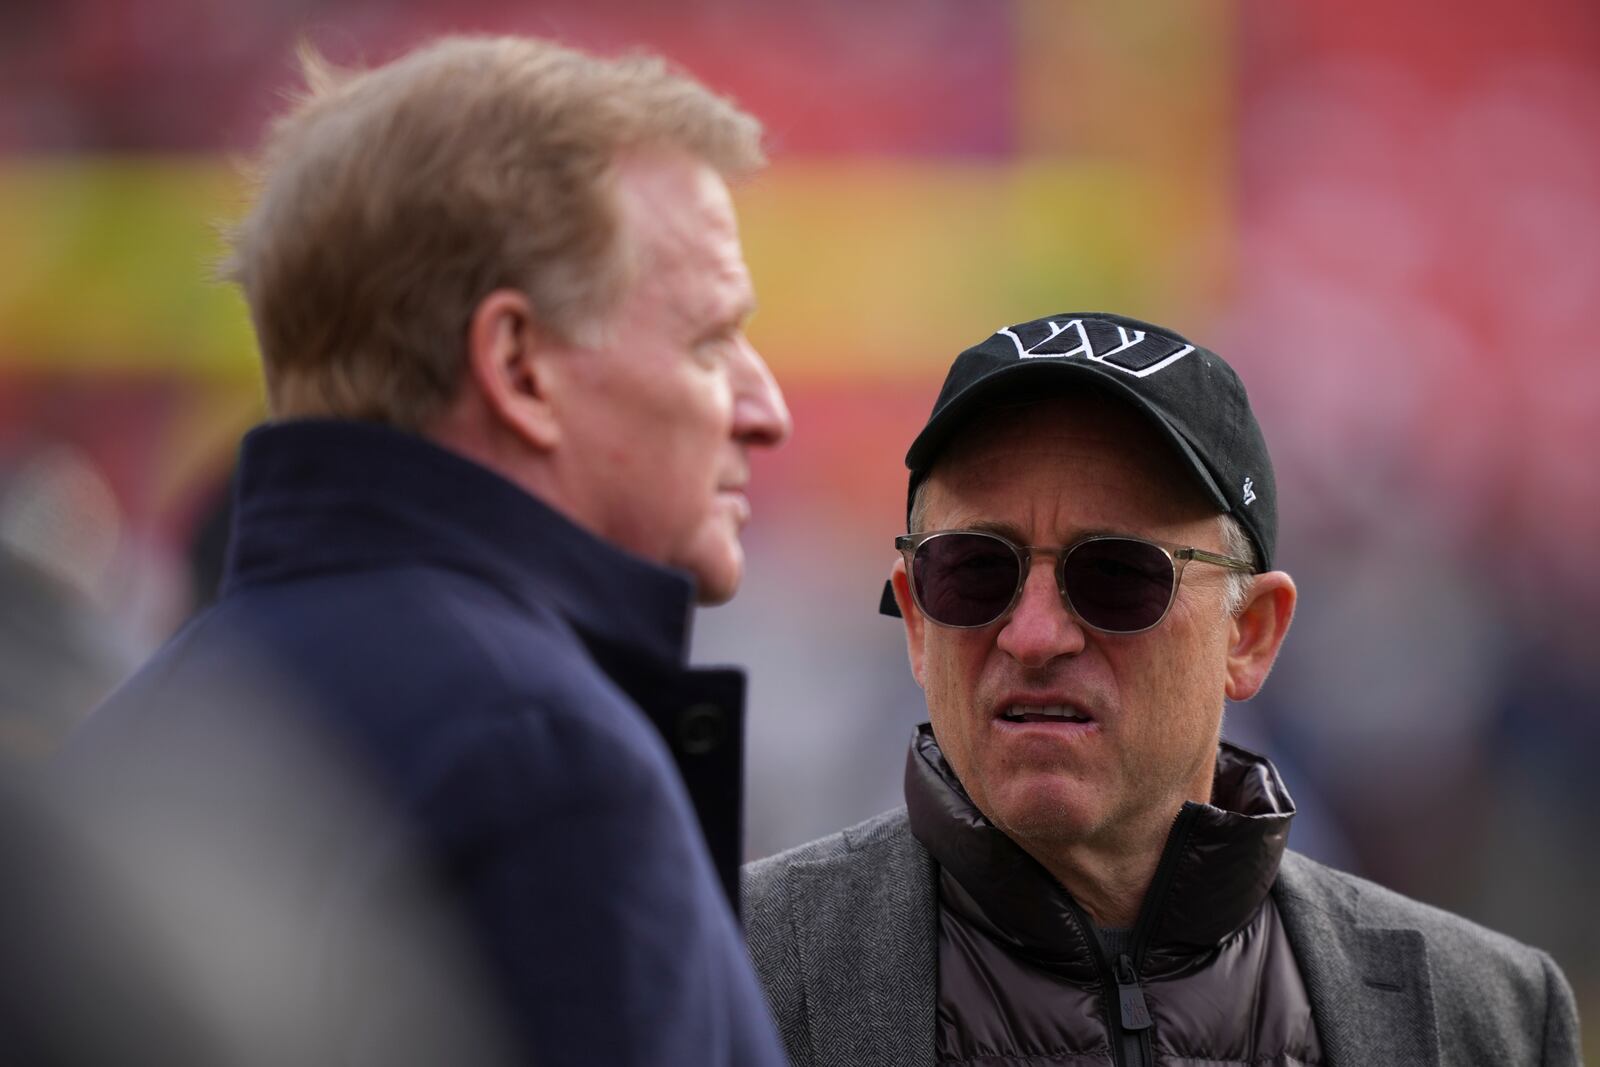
[
  {"x": 1489, "y": 991},
  {"x": 843, "y": 933},
  {"x": 438, "y": 688},
  {"x": 886, "y": 831},
  {"x": 427, "y": 644},
  {"x": 871, "y": 878},
  {"x": 1451, "y": 937},
  {"x": 882, "y": 843}
]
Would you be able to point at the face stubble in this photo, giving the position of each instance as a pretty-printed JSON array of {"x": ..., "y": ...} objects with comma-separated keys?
[{"x": 1091, "y": 798}]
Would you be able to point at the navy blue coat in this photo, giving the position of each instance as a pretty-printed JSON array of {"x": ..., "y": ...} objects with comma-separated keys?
[{"x": 510, "y": 697}]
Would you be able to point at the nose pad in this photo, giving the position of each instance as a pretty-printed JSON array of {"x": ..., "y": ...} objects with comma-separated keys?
[
  {"x": 1040, "y": 627},
  {"x": 1043, "y": 583}
]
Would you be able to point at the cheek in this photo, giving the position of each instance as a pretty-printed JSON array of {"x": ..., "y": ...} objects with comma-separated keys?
[
  {"x": 1178, "y": 702},
  {"x": 951, "y": 670},
  {"x": 698, "y": 427},
  {"x": 683, "y": 441}
]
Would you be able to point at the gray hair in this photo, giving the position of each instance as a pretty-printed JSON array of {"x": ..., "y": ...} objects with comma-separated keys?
[{"x": 1237, "y": 543}]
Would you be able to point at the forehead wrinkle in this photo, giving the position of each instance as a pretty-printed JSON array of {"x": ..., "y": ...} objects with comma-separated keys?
[
  {"x": 1032, "y": 509},
  {"x": 1009, "y": 531}
]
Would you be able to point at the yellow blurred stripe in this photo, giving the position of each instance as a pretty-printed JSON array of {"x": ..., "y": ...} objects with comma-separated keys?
[
  {"x": 884, "y": 270},
  {"x": 107, "y": 265},
  {"x": 866, "y": 269}
]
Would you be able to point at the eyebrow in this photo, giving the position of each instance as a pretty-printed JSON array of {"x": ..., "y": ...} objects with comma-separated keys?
[
  {"x": 735, "y": 318},
  {"x": 1014, "y": 534},
  {"x": 1004, "y": 529}
]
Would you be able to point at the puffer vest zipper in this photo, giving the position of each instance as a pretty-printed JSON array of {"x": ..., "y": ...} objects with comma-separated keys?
[{"x": 1208, "y": 977}]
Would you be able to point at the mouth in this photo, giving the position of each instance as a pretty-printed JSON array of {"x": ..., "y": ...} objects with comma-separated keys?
[
  {"x": 735, "y": 496},
  {"x": 1063, "y": 714}
]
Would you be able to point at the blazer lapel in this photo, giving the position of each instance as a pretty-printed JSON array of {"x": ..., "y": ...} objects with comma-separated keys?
[
  {"x": 868, "y": 945},
  {"x": 1371, "y": 996}
]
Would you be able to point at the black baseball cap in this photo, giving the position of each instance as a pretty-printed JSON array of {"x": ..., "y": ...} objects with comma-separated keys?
[{"x": 1192, "y": 397}]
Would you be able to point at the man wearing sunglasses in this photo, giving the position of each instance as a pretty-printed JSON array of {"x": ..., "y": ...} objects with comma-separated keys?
[{"x": 1083, "y": 872}]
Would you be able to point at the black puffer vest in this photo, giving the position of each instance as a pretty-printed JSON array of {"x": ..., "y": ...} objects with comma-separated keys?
[{"x": 1208, "y": 978}]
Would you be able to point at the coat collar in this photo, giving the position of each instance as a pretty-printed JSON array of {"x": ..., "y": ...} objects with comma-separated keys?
[
  {"x": 334, "y": 495},
  {"x": 1222, "y": 858},
  {"x": 1370, "y": 986}
]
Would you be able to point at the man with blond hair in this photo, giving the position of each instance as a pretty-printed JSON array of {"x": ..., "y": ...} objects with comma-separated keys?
[{"x": 499, "y": 295}]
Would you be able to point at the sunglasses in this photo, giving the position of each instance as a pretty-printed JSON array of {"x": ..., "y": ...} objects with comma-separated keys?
[{"x": 1117, "y": 585}]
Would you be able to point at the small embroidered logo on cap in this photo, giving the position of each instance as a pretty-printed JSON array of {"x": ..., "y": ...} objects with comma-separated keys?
[{"x": 1249, "y": 491}]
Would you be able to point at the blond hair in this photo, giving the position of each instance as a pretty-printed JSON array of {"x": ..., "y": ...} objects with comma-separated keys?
[{"x": 391, "y": 201}]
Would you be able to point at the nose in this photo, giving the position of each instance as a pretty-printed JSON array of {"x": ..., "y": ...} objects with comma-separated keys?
[
  {"x": 1039, "y": 628},
  {"x": 760, "y": 416}
]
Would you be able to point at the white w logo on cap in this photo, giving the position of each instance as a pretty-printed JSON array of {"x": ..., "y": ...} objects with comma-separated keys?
[{"x": 1052, "y": 344}]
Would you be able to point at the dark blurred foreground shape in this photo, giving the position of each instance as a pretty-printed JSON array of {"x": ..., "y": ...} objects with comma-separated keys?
[
  {"x": 205, "y": 832},
  {"x": 85, "y": 979},
  {"x": 163, "y": 933},
  {"x": 57, "y": 659},
  {"x": 59, "y": 652}
]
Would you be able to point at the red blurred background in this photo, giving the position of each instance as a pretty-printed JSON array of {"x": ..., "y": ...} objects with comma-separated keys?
[{"x": 1387, "y": 216}]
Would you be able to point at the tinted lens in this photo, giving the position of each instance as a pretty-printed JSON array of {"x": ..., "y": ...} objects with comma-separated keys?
[
  {"x": 964, "y": 579},
  {"x": 1118, "y": 584}
]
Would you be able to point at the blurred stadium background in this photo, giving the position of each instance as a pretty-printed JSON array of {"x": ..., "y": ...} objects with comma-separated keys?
[{"x": 1388, "y": 216}]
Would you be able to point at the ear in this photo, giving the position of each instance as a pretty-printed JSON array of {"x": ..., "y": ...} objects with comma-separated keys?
[
  {"x": 506, "y": 361},
  {"x": 1257, "y": 633},
  {"x": 915, "y": 623}
]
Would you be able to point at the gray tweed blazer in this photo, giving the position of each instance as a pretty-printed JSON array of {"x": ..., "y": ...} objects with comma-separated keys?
[{"x": 844, "y": 934}]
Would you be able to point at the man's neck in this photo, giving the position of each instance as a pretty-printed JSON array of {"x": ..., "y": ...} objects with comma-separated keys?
[
  {"x": 1110, "y": 887},
  {"x": 1110, "y": 873}
]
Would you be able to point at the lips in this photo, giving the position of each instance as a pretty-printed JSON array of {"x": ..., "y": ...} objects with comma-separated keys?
[
  {"x": 735, "y": 496},
  {"x": 1051, "y": 713}
]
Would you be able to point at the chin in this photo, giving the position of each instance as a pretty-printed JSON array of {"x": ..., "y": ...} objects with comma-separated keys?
[
  {"x": 716, "y": 584},
  {"x": 715, "y": 559},
  {"x": 1043, "y": 813},
  {"x": 709, "y": 595}
]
